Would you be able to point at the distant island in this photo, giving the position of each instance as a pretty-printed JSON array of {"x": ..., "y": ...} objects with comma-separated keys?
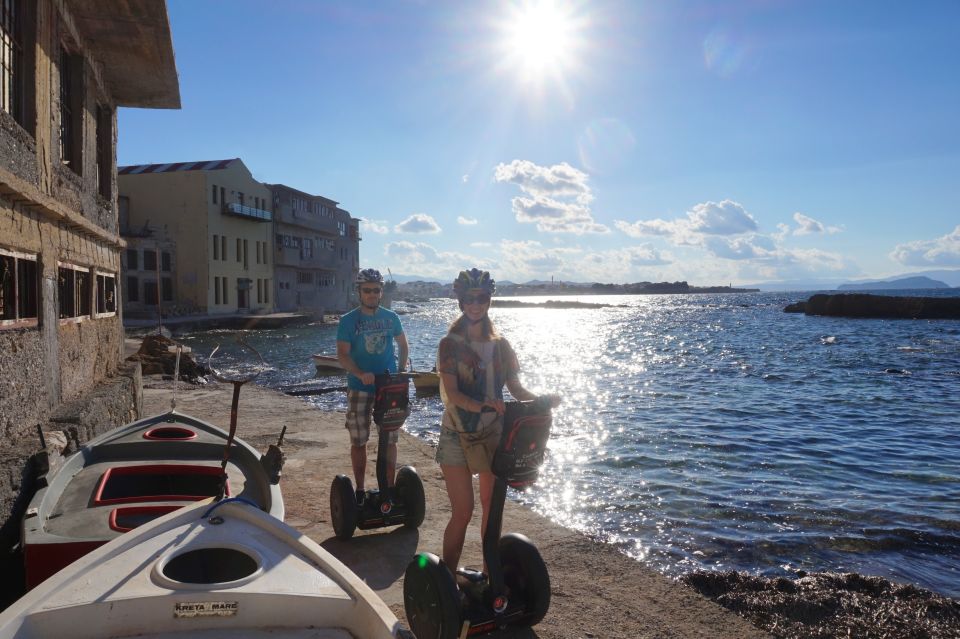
[
  {"x": 906, "y": 283},
  {"x": 419, "y": 290}
]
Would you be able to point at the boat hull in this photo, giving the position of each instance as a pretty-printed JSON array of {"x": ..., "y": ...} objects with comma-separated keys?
[
  {"x": 210, "y": 569},
  {"x": 327, "y": 365},
  {"x": 129, "y": 476}
]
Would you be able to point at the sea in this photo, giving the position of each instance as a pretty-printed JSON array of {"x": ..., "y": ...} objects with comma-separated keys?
[{"x": 717, "y": 432}]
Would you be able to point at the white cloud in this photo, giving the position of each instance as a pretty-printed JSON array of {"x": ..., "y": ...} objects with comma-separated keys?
[
  {"x": 424, "y": 259},
  {"x": 418, "y": 223},
  {"x": 556, "y": 198},
  {"x": 806, "y": 225},
  {"x": 374, "y": 226},
  {"x": 707, "y": 219},
  {"x": 466, "y": 221},
  {"x": 942, "y": 251},
  {"x": 465, "y": 178}
]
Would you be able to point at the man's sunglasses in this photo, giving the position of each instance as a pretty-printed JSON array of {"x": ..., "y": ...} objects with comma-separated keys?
[
  {"x": 476, "y": 299},
  {"x": 370, "y": 291}
]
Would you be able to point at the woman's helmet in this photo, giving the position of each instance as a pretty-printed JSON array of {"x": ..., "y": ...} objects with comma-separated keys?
[
  {"x": 369, "y": 276},
  {"x": 473, "y": 280}
]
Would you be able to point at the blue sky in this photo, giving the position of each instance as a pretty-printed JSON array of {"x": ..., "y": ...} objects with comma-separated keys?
[{"x": 612, "y": 141}]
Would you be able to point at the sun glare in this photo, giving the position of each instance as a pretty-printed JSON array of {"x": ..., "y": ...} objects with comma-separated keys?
[{"x": 541, "y": 40}]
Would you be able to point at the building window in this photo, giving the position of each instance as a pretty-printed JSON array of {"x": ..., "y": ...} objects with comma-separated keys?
[
  {"x": 304, "y": 277},
  {"x": 12, "y": 59},
  {"x": 166, "y": 288},
  {"x": 19, "y": 282},
  {"x": 150, "y": 293},
  {"x": 224, "y": 286},
  {"x": 239, "y": 250},
  {"x": 71, "y": 110},
  {"x": 258, "y": 251},
  {"x": 133, "y": 264},
  {"x": 259, "y": 291},
  {"x": 223, "y": 247},
  {"x": 106, "y": 294},
  {"x": 165, "y": 261},
  {"x": 149, "y": 260},
  {"x": 216, "y": 247},
  {"x": 223, "y": 194},
  {"x": 105, "y": 151},
  {"x": 266, "y": 291},
  {"x": 246, "y": 262},
  {"x": 306, "y": 251},
  {"x": 74, "y": 290},
  {"x": 216, "y": 290},
  {"x": 133, "y": 289},
  {"x": 214, "y": 192}
]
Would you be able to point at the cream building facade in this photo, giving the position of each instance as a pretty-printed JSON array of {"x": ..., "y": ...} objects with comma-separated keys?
[{"x": 218, "y": 218}]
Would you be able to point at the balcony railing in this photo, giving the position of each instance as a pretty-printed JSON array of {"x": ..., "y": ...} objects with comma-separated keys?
[{"x": 247, "y": 211}]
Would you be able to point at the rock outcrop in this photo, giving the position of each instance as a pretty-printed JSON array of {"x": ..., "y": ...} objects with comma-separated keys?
[
  {"x": 156, "y": 358},
  {"x": 886, "y": 306}
]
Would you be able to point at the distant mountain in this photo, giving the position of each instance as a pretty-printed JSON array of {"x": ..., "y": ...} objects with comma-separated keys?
[
  {"x": 948, "y": 277},
  {"x": 905, "y": 283}
]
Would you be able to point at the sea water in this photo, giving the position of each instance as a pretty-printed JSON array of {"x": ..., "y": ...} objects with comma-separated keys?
[{"x": 718, "y": 432}]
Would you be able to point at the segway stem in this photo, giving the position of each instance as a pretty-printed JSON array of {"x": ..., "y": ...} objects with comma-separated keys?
[
  {"x": 491, "y": 536},
  {"x": 382, "y": 480}
]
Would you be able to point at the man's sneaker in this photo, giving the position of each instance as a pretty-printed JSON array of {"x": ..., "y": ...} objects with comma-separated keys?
[{"x": 360, "y": 495}]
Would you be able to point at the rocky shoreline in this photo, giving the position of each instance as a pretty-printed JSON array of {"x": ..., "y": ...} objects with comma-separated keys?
[
  {"x": 831, "y": 604},
  {"x": 863, "y": 305}
]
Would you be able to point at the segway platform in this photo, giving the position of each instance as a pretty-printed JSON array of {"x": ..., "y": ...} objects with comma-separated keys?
[
  {"x": 517, "y": 590},
  {"x": 402, "y": 504}
]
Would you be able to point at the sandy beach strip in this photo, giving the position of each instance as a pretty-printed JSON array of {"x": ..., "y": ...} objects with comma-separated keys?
[{"x": 596, "y": 591}]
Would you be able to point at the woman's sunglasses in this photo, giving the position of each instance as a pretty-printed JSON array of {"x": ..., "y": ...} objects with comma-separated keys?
[{"x": 476, "y": 299}]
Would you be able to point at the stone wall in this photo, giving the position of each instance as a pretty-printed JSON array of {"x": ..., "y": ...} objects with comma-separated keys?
[{"x": 115, "y": 402}]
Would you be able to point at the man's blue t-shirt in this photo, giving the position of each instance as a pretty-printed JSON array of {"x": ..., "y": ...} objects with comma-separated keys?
[{"x": 371, "y": 342}]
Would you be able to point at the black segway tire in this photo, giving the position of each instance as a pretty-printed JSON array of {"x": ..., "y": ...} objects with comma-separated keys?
[
  {"x": 410, "y": 490},
  {"x": 431, "y": 599},
  {"x": 343, "y": 507},
  {"x": 525, "y": 576}
]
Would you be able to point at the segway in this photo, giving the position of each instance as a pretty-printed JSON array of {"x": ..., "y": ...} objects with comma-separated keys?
[
  {"x": 517, "y": 590},
  {"x": 404, "y": 503}
]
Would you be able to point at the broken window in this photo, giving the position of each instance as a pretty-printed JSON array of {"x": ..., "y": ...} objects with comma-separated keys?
[
  {"x": 106, "y": 293},
  {"x": 74, "y": 291}
]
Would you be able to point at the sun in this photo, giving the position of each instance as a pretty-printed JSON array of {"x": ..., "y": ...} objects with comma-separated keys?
[{"x": 541, "y": 40}]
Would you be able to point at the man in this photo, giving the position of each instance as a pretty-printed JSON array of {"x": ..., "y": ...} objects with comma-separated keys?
[{"x": 365, "y": 348}]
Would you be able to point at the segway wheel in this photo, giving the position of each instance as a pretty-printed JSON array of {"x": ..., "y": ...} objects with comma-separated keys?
[
  {"x": 526, "y": 577},
  {"x": 343, "y": 507},
  {"x": 430, "y": 599},
  {"x": 410, "y": 489}
]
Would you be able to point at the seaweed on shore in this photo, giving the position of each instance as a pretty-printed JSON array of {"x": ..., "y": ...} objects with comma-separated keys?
[{"x": 832, "y": 605}]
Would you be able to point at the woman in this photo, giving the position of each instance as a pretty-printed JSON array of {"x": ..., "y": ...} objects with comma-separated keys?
[{"x": 474, "y": 363}]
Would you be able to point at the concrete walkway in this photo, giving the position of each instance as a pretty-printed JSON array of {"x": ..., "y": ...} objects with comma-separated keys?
[{"x": 595, "y": 590}]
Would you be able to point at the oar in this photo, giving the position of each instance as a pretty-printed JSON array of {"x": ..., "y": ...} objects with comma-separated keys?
[{"x": 237, "y": 380}]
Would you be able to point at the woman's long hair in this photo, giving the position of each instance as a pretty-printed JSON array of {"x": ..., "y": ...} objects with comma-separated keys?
[{"x": 459, "y": 327}]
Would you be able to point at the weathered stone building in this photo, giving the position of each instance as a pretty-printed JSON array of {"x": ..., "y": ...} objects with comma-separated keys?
[
  {"x": 317, "y": 253},
  {"x": 65, "y": 67}
]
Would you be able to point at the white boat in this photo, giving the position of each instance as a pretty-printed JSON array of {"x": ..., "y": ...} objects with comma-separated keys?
[
  {"x": 327, "y": 363},
  {"x": 135, "y": 473},
  {"x": 212, "y": 569}
]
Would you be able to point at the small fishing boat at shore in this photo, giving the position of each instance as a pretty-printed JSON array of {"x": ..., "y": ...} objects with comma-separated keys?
[
  {"x": 138, "y": 472},
  {"x": 426, "y": 381},
  {"x": 213, "y": 569},
  {"x": 327, "y": 364}
]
